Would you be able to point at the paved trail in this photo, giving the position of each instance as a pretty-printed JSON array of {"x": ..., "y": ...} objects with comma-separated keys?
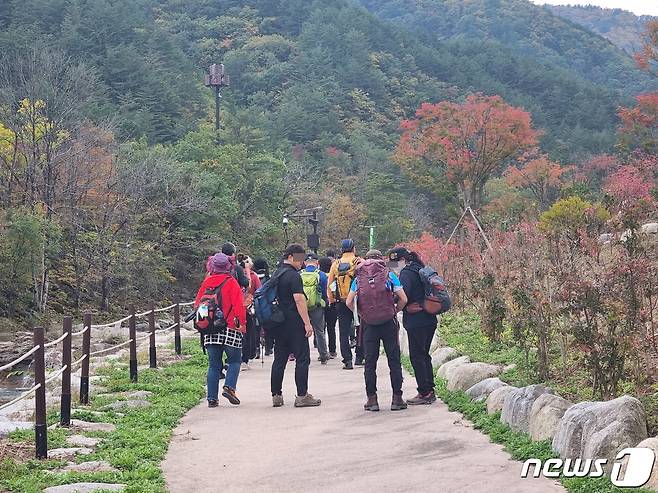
[{"x": 337, "y": 446}]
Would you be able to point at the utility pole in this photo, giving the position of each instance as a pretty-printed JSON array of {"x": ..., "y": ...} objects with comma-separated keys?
[
  {"x": 371, "y": 240},
  {"x": 217, "y": 78},
  {"x": 313, "y": 239}
]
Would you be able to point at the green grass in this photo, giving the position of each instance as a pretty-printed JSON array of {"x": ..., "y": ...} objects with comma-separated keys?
[{"x": 140, "y": 441}]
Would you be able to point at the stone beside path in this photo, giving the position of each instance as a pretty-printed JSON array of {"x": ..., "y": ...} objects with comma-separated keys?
[
  {"x": 337, "y": 446},
  {"x": 85, "y": 488}
]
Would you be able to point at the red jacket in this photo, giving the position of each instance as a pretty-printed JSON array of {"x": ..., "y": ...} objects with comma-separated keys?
[{"x": 232, "y": 300}]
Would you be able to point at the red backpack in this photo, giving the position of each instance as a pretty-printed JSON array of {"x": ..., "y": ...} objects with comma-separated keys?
[
  {"x": 375, "y": 300},
  {"x": 209, "y": 318}
]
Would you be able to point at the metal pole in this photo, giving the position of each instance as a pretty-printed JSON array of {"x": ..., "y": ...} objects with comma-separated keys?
[
  {"x": 65, "y": 402},
  {"x": 372, "y": 237},
  {"x": 152, "y": 355},
  {"x": 218, "y": 99},
  {"x": 84, "y": 375},
  {"x": 177, "y": 341},
  {"x": 40, "y": 425},
  {"x": 133, "y": 345}
]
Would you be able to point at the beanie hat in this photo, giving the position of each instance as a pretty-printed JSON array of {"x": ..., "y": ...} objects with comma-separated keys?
[{"x": 219, "y": 264}]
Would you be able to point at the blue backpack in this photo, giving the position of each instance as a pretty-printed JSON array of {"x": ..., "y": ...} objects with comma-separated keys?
[{"x": 266, "y": 303}]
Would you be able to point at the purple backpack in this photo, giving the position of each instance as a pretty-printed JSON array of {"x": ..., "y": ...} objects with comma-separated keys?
[{"x": 375, "y": 299}]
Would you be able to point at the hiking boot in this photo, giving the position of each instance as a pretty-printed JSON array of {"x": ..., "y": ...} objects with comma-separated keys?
[
  {"x": 245, "y": 367},
  {"x": 229, "y": 393},
  {"x": 352, "y": 342},
  {"x": 372, "y": 404},
  {"x": 323, "y": 361},
  {"x": 348, "y": 366},
  {"x": 291, "y": 357},
  {"x": 359, "y": 362},
  {"x": 398, "y": 403},
  {"x": 213, "y": 403},
  {"x": 277, "y": 400},
  {"x": 333, "y": 355},
  {"x": 420, "y": 399},
  {"x": 307, "y": 401},
  {"x": 432, "y": 396}
]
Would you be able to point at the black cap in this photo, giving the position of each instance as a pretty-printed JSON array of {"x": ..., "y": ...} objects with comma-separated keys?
[
  {"x": 312, "y": 256},
  {"x": 397, "y": 253}
]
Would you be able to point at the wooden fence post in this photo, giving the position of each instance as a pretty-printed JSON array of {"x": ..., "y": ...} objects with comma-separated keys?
[
  {"x": 84, "y": 372},
  {"x": 40, "y": 425},
  {"x": 153, "y": 363},
  {"x": 133, "y": 346},
  {"x": 65, "y": 405},
  {"x": 177, "y": 341}
]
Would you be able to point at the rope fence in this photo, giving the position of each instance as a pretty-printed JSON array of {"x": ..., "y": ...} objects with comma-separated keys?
[{"x": 38, "y": 359}]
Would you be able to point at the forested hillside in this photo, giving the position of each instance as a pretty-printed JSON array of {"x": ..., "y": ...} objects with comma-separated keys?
[
  {"x": 622, "y": 28},
  {"x": 114, "y": 183}
]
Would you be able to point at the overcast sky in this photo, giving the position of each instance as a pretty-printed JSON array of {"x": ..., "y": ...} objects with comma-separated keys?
[{"x": 640, "y": 7}]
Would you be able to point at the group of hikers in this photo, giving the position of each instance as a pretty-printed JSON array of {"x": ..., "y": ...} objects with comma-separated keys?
[{"x": 244, "y": 313}]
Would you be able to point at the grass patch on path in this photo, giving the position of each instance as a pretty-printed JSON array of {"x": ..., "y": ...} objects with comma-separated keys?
[{"x": 140, "y": 442}]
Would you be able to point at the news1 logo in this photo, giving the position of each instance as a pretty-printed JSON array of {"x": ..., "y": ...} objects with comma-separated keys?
[{"x": 638, "y": 468}]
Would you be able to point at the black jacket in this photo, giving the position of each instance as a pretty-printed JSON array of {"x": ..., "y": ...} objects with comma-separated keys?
[{"x": 415, "y": 291}]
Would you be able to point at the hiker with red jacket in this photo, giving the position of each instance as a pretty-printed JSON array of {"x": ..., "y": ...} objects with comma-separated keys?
[
  {"x": 226, "y": 340},
  {"x": 373, "y": 294}
]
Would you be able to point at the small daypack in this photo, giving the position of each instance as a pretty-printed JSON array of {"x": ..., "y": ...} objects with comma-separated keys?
[
  {"x": 437, "y": 300},
  {"x": 375, "y": 300},
  {"x": 209, "y": 317},
  {"x": 266, "y": 303},
  {"x": 346, "y": 273},
  {"x": 312, "y": 289}
]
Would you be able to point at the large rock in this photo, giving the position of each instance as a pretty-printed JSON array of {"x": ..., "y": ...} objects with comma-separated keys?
[
  {"x": 481, "y": 390},
  {"x": 545, "y": 415},
  {"x": 496, "y": 399},
  {"x": 599, "y": 430},
  {"x": 130, "y": 404},
  {"x": 85, "y": 488},
  {"x": 436, "y": 342},
  {"x": 6, "y": 427},
  {"x": 443, "y": 355},
  {"x": 92, "y": 466},
  {"x": 463, "y": 377},
  {"x": 651, "y": 443},
  {"x": 68, "y": 453},
  {"x": 82, "y": 441},
  {"x": 518, "y": 404},
  {"x": 87, "y": 426},
  {"x": 446, "y": 368}
]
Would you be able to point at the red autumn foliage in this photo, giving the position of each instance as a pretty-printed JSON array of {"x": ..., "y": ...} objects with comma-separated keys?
[
  {"x": 639, "y": 128},
  {"x": 470, "y": 141},
  {"x": 540, "y": 176}
]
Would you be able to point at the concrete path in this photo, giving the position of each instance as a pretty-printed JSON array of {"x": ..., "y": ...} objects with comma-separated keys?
[{"x": 337, "y": 446}]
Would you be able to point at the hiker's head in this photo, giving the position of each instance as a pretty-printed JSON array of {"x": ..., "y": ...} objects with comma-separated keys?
[
  {"x": 331, "y": 254},
  {"x": 295, "y": 255},
  {"x": 347, "y": 245},
  {"x": 325, "y": 264},
  {"x": 261, "y": 267},
  {"x": 228, "y": 248},
  {"x": 403, "y": 255},
  {"x": 374, "y": 255},
  {"x": 312, "y": 259},
  {"x": 219, "y": 264}
]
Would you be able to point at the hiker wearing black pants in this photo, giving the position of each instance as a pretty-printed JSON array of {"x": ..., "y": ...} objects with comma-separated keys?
[
  {"x": 373, "y": 293},
  {"x": 341, "y": 275},
  {"x": 420, "y": 325},
  {"x": 291, "y": 336},
  {"x": 330, "y": 312}
]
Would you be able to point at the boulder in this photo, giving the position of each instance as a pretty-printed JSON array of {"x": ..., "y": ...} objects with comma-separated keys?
[
  {"x": 436, "y": 342},
  {"x": 518, "y": 404},
  {"x": 139, "y": 394},
  {"x": 443, "y": 355},
  {"x": 650, "y": 228},
  {"x": 651, "y": 443},
  {"x": 6, "y": 427},
  {"x": 68, "y": 453},
  {"x": 130, "y": 404},
  {"x": 85, "y": 488},
  {"x": 496, "y": 399},
  {"x": 463, "y": 377},
  {"x": 92, "y": 466},
  {"x": 446, "y": 368},
  {"x": 87, "y": 426},
  {"x": 82, "y": 441},
  {"x": 599, "y": 430},
  {"x": 481, "y": 390},
  {"x": 545, "y": 415}
]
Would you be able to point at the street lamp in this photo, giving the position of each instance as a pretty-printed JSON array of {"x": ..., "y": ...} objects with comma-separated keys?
[
  {"x": 313, "y": 239},
  {"x": 217, "y": 78}
]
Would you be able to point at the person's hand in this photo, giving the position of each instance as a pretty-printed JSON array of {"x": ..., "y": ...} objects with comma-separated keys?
[{"x": 308, "y": 328}]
